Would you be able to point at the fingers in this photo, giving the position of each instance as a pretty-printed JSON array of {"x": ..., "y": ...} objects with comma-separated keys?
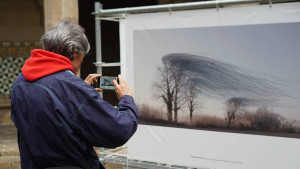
[
  {"x": 122, "y": 88},
  {"x": 92, "y": 78},
  {"x": 117, "y": 89},
  {"x": 98, "y": 89},
  {"x": 115, "y": 84},
  {"x": 121, "y": 80}
]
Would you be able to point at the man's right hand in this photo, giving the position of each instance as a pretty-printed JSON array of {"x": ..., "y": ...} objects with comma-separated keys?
[{"x": 122, "y": 88}]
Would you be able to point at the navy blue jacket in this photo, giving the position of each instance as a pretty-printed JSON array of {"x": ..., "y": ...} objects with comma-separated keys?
[{"x": 61, "y": 118}]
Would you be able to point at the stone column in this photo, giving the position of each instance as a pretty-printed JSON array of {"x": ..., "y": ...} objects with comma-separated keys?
[{"x": 56, "y": 10}]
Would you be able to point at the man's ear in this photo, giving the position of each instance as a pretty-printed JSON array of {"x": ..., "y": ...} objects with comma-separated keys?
[{"x": 75, "y": 55}]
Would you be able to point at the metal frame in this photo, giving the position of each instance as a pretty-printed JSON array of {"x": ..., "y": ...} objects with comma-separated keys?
[
  {"x": 119, "y": 156},
  {"x": 179, "y": 6},
  {"x": 120, "y": 13}
]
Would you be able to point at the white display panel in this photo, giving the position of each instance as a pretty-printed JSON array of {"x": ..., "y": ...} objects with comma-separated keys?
[{"x": 261, "y": 30}]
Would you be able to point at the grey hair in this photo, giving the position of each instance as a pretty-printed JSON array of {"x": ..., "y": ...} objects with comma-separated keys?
[{"x": 66, "y": 38}]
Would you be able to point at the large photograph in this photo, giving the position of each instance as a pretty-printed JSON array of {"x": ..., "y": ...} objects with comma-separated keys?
[{"x": 240, "y": 79}]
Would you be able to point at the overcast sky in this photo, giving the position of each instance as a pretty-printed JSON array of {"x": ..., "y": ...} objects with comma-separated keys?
[{"x": 270, "y": 51}]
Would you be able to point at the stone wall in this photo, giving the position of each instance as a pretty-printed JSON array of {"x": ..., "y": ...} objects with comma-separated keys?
[
  {"x": 12, "y": 58},
  {"x": 21, "y": 20}
]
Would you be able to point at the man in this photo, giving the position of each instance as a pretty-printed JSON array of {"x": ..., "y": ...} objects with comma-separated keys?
[{"x": 61, "y": 117}]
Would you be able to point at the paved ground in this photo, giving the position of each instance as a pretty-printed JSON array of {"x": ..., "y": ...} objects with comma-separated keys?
[
  {"x": 9, "y": 151},
  {"x": 5, "y": 114}
]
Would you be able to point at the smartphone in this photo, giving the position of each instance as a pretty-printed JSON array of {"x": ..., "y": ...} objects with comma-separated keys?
[{"x": 106, "y": 82}]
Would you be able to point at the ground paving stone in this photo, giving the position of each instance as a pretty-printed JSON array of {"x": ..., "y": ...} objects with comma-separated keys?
[
  {"x": 9, "y": 159},
  {"x": 5, "y": 114},
  {"x": 10, "y": 148},
  {"x": 10, "y": 162},
  {"x": 0, "y": 149},
  {"x": 8, "y": 133},
  {"x": 9, "y": 151}
]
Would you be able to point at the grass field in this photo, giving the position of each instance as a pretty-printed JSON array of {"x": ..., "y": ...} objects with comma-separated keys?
[{"x": 258, "y": 123}]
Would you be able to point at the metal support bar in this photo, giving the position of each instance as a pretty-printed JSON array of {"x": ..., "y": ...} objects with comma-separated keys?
[
  {"x": 119, "y": 156},
  {"x": 131, "y": 163},
  {"x": 103, "y": 64},
  {"x": 98, "y": 7},
  {"x": 115, "y": 18},
  {"x": 180, "y": 6},
  {"x": 109, "y": 19}
]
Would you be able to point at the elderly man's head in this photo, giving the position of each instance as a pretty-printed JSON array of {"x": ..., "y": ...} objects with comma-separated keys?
[{"x": 68, "y": 39}]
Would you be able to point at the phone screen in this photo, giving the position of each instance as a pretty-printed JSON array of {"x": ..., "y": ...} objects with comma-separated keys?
[{"x": 106, "y": 82}]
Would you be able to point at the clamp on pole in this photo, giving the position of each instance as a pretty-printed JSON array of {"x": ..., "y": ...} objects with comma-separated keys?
[
  {"x": 170, "y": 10},
  {"x": 217, "y": 5}
]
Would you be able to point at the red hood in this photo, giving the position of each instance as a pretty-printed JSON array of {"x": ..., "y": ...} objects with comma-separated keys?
[{"x": 42, "y": 63}]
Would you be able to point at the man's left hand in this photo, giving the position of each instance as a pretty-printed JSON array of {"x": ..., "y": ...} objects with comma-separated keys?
[{"x": 92, "y": 79}]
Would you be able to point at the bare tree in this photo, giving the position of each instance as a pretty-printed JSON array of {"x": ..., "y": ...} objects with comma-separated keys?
[
  {"x": 179, "y": 92},
  {"x": 165, "y": 87},
  {"x": 191, "y": 97},
  {"x": 170, "y": 87},
  {"x": 265, "y": 120},
  {"x": 234, "y": 106}
]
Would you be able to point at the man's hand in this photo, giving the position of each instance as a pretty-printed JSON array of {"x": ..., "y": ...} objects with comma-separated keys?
[
  {"x": 122, "y": 88},
  {"x": 92, "y": 80}
]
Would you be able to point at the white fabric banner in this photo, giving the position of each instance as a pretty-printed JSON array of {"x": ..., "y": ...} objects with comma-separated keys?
[{"x": 259, "y": 44}]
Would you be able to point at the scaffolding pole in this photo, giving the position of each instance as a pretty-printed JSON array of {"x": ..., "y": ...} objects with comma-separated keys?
[
  {"x": 180, "y": 6},
  {"x": 98, "y": 8}
]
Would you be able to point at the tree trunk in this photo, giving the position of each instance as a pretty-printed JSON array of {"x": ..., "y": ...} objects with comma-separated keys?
[
  {"x": 229, "y": 121},
  {"x": 169, "y": 115},
  {"x": 175, "y": 116},
  {"x": 169, "y": 108}
]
